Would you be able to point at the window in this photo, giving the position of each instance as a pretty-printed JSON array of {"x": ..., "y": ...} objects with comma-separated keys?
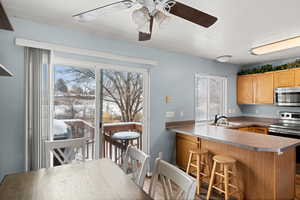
[{"x": 210, "y": 96}]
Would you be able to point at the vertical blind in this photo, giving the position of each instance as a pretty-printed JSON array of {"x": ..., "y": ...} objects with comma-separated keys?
[
  {"x": 37, "y": 62},
  {"x": 210, "y": 96}
]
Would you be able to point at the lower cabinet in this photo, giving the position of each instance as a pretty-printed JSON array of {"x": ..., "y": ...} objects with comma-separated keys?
[
  {"x": 255, "y": 129},
  {"x": 184, "y": 144}
]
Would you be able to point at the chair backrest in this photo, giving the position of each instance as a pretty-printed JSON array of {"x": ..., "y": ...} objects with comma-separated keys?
[
  {"x": 136, "y": 163},
  {"x": 170, "y": 175},
  {"x": 65, "y": 151}
]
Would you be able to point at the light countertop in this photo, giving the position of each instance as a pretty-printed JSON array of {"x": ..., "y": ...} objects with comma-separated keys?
[{"x": 248, "y": 140}]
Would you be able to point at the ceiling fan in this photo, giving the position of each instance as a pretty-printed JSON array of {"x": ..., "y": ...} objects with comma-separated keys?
[{"x": 158, "y": 11}]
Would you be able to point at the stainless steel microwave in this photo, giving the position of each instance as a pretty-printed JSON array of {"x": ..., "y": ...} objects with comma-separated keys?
[{"x": 287, "y": 96}]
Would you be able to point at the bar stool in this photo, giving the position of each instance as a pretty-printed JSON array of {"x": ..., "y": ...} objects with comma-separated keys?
[
  {"x": 228, "y": 182},
  {"x": 201, "y": 164}
]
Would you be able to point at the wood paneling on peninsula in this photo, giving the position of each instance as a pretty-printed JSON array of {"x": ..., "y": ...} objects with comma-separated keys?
[{"x": 264, "y": 175}]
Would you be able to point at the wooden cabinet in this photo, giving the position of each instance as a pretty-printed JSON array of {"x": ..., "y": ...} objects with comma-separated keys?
[
  {"x": 184, "y": 144},
  {"x": 284, "y": 78},
  {"x": 244, "y": 129},
  {"x": 263, "y": 88},
  {"x": 255, "y": 89},
  {"x": 245, "y": 89},
  {"x": 255, "y": 129},
  {"x": 297, "y": 77}
]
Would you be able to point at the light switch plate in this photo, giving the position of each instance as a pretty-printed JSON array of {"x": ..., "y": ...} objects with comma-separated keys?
[{"x": 170, "y": 114}]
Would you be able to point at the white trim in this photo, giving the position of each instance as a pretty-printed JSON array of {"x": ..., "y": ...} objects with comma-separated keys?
[
  {"x": 98, "y": 118},
  {"x": 88, "y": 64},
  {"x": 51, "y": 77},
  {"x": 146, "y": 112},
  {"x": 79, "y": 51}
]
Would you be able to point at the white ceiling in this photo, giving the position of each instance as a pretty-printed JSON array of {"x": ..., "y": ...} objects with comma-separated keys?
[{"x": 241, "y": 25}]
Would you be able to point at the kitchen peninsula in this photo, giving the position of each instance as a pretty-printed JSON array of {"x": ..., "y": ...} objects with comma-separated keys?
[{"x": 266, "y": 163}]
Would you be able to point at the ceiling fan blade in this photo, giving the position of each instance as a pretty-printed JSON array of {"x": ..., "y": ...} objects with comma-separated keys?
[
  {"x": 146, "y": 36},
  {"x": 192, "y": 15},
  {"x": 4, "y": 21},
  {"x": 90, "y": 15}
]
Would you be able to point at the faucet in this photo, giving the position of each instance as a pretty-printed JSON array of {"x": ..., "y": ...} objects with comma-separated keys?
[{"x": 217, "y": 118}]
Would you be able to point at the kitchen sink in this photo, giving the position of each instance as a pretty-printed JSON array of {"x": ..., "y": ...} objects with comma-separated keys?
[{"x": 227, "y": 125}]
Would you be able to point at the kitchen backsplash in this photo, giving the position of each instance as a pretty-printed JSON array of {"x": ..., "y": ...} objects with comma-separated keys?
[{"x": 270, "y": 111}]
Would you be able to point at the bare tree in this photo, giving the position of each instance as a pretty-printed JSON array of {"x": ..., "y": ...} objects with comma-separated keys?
[
  {"x": 124, "y": 89},
  {"x": 61, "y": 86}
]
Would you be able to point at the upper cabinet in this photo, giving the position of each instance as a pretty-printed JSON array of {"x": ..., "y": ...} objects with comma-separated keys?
[
  {"x": 245, "y": 89},
  {"x": 284, "y": 78},
  {"x": 255, "y": 89},
  {"x": 264, "y": 90},
  {"x": 297, "y": 76},
  {"x": 259, "y": 88}
]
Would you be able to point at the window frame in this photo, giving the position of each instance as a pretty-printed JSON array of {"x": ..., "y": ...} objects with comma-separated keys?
[{"x": 224, "y": 99}]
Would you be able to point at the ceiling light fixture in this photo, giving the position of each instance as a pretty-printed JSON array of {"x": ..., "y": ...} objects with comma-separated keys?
[
  {"x": 277, "y": 46},
  {"x": 224, "y": 58}
]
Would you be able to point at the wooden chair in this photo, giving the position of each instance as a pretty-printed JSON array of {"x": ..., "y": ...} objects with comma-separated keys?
[
  {"x": 136, "y": 163},
  {"x": 228, "y": 177},
  {"x": 168, "y": 175},
  {"x": 198, "y": 160},
  {"x": 65, "y": 151}
]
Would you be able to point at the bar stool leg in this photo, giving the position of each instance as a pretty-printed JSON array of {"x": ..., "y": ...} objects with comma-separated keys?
[
  {"x": 189, "y": 163},
  {"x": 207, "y": 165},
  {"x": 226, "y": 181},
  {"x": 211, "y": 180},
  {"x": 198, "y": 174}
]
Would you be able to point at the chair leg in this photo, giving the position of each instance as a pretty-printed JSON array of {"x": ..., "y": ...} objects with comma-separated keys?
[{"x": 211, "y": 181}]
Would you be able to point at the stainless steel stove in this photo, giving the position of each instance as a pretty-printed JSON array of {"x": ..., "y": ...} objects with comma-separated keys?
[{"x": 288, "y": 126}]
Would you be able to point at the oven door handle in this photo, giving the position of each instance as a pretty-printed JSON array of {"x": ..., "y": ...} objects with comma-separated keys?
[{"x": 284, "y": 131}]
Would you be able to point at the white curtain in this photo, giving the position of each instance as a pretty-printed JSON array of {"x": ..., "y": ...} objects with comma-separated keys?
[{"x": 37, "y": 76}]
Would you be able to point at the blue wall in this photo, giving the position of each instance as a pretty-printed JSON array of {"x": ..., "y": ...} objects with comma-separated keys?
[
  {"x": 267, "y": 110},
  {"x": 174, "y": 76}
]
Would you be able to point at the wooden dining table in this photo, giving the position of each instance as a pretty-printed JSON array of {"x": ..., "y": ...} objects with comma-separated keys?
[{"x": 91, "y": 180}]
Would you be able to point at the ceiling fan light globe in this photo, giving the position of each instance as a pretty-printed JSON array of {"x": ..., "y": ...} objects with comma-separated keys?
[
  {"x": 145, "y": 28},
  {"x": 142, "y": 19},
  {"x": 161, "y": 19}
]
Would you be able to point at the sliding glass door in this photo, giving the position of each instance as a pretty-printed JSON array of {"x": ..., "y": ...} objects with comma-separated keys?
[
  {"x": 123, "y": 112},
  {"x": 105, "y": 104},
  {"x": 74, "y": 105}
]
